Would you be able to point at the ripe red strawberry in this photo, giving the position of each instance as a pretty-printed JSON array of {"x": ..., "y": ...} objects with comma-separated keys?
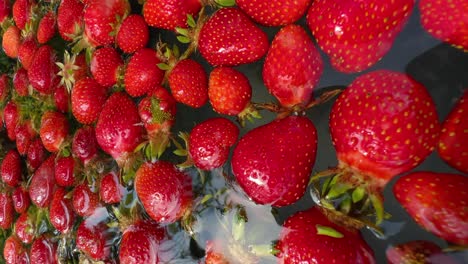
[
  {"x": 169, "y": 14},
  {"x": 43, "y": 250},
  {"x": 119, "y": 130},
  {"x": 189, "y": 83},
  {"x": 133, "y": 34},
  {"x": 446, "y": 21},
  {"x": 453, "y": 140},
  {"x": 4, "y": 88},
  {"x": 7, "y": 212},
  {"x": 20, "y": 198},
  {"x": 94, "y": 238},
  {"x": 101, "y": 19},
  {"x": 105, "y": 65},
  {"x": 261, "y": 156},
  {"x": 24, "y": 135},
  {"x": 61, "y": 99},
  {"x": 356, "y": 34},
  {"x": 54, "y": 130},
  {"x": 65, "y": 171},
  {"x": 110, "y": 190},
  {"x": 36, "y": 154},
  {"x": 25, "y": 229},
  {"x": 292, "y": 67},
  {"x": 61, "y": 213},
  {"x": 84, "y": 144},
  {"x": 436, "y": 201},
  {"x": 46, "y": 28},
  {"x": 417, "y": 251},
  {"x": 142, "y": 73},
  {"x": 309, "y": 237},
  {"x": 210, "y": 141},
  {"x": 158, "y": 111},
  {"x": 273, "y": 14},
  {"x": 73, "y": 69},
  {"x": 212, "y": 255},
  {"x": 43, "y": 70},
  {"x": 164, "y": 191},
  {"x": 11, "y": 119},
  {"x": 5, "y": 10},
  {"x": 85, "y": 201},
  {"x": 230, "y": 38},
  {"x": 12, "y": 249},
  {"x": 11, "y": 41},
  {"x": 70, "y": 18},
  {"x": 26, "y": 51},
  {"x": 21, "y": 82},
  {"x": 87, "y": 100},
  {"x": 22, "y": 12},
  {"x": 11, "y": 168},
  {"x": 42, "y": 183}
]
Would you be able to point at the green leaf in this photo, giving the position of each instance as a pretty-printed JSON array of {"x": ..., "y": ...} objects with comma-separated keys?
[
  {"x": 206, "y": 198},
  {"x": 182, "y": 31},
  {"x": 180, "y": 152},
  {"x": 183, "y": 39},
  {"x": 226, "y": 3},
  {"x": 358, "y": 194},
  {"x": 345, "y": 205},
  {"x": 191, "y": 21},
  {"x": 337, "y": 190},
  {"x": 377, "y": 203},
  {"x": 164, "y": 66},
  {"x": 328, "y": 231}
]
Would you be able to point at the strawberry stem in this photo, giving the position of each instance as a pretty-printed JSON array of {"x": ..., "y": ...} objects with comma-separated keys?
[{"x": 328, "y": 231}]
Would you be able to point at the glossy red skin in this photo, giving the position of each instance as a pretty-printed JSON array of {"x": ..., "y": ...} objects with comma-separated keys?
[
  {"x": 189, "y": 83},
  {"x": 6, "y": 210},
  {"x": 100, "y": 19},
  {"x": 85, "y": 201},
  {"x": 12, "y": 249},
  {"x": 36, "y": 154},
  {"x": 142, "y": 73},
  {"x": 219, "y": 42},
  {"x": 93, "y": 239},
  {"x": 26, "y": 51},
  {"x": 300, "y": 243},
  {"x": 21, "y": 82},
  {"x": 166, "y": 104},
  {"x": 383, "y": 124},
  {"x": 61, "y": 99},
  {"x": 356, "y": 34},
  {"x": 274, "y": 13},
  {"x": 69, "y": 13},
  {"x": 20, "y": 198},
  {"x": 119, "y": 130},
  {"x": 25, "y": 229},
  {"x": 54, "y": 129},
  {"x": 262, "y": 155},
  {"x": 65, "y": 171},
  {"x": 43, "y": 250},
  {"x": 110, "y": 190},
  {"x": 46, "y": 28},
  {"x": 11, "y": 119},
  {"x": 133, "y": 34},
  {"x": 104, "y": 66},
  {"x": 42, "y": 184},
  {"x": 417, "y": 251},
  {"x": 292, "y": 67},
  {"x": 4, "y": 87},
  {"x": 84, "y": 144},
  {"x": 5, "y": 10},
  {"x": 11, "y": 168},
  {"x": 164, "y": 191},
  {"x": 453, "y": 140},
  {"x": 22, "y": 12},
  {"x": 436, "y": 201},
  {"x": 42, "y": 72},
  {"x": 11, "y": 41},
  {"x": 61, "y": 213},
  {"x": 87, "y": 100},
  {"x": 210, "y": 142},
  {"x": 169, "y": 14},
  {"x": 24, "y": 135},
  {"x": 446, "y": 21}
]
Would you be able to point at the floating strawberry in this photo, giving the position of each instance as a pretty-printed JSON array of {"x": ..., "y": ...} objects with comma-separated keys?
[
  {"x": 84, "y": 144},
  {"x": 105, "y": 65},
  {"x": 20, "y": 198},
  {"x": 133, "y": 34},
  {"x": 61, "y": 212},
  {"x": 24, "y": 135},
  {"x": 273, "y": 14},
  {"x": 85, "y": 201},
  {"x": 42, "y": 71},
  {"x": 292, "y": 67},
  {"x": 7, "y": 212},
  {"x": 12, "y": 249},
  {"x": 189, "y": 83},
  {"x": 110, "y": 189},
  {"x": 46, "y": 28},
  {"x": 142, "y": 73},
  {"x": 309, "y": 237},
  {"x": 65, "y": 171},
  {"x": 42, "y": 184},
  {"x": 70, "y": 19},
  {"x": 417, "y": 251},
  {"x": 11, "y": 41},
  {"x": 213, "y": 255},
  {"x": 11, "y": 168},
  {"x": 262, "y": 155},
  {"x": 95, "y": 238},
  {"x": 356, "y": 34},
  {"x": 87, "y": 100},
  {"x": 436, "y": 201},
  {"x": 25, "y": 229},
  {"x": 453, "y": 140},
  {"x": 43, "y": 250},
  {"x": 36, "y": 154},
  {"x": 169, "y": 14},
  {"x": 54, "y": 130}
]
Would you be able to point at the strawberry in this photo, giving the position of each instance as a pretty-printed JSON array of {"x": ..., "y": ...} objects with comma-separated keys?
[
  {"x": 446, "y": 21},
  {"x": 142, "y": 73},
  {"x": 158, "y": 111},
  {"x": 42, "y": 183},
  {"x": 61, "y": 212},
  {"x": 22, "y": 12},
  {"x": 11, "y": 119},
  {"x": 110, "y": 190},
  {"x": 259, "y": 165},
  {"x": 84, "y": 144},
  {"x": 43, "y": 250},
  {"x": 85, "y": 201},
  {"x": 417, "y": 251},
  {"x": 169, "y": 14},
  {"x": 210, "y": 141},
  {"x": 36, "y": 154},
  {"x": 7, "y": 212},
  {"x": 70, "y": 18},
  {"x": 189, "y": 83},
  {"x": 20, "y": 198},
  {"x": 213, "y": 255},
  {"x": 26, "y": 51},
  {"x": 12, "y": 249},
  {"x": 87, "y": 99},
  {"x": 133, "y": 34},
  {"x": 104, "y": 66},
  {"x": 46, "y": 28},
  {"x": 309, "y": 237},
  {"x": 24, "y": 228},
  {"x": 164, "y": 191},
  {"x": 11, "y": 168},
  {"x": 21, "y": 82},
  {"x": 292, "y": 67},
  {"x": 42, "y": 71},
  {"x": 118, "y": 129},
  {"x": 24, "y": 135},
  {"x": 11, "y": 41},
  {"x": 273, "y": 14},
  {"x": 65, "y": 171},
  {"x": 73, "y": 69},
  {"x": 4, "y": 88},
  {"x": 54, "y": 130},
  {"x": 5, "y": 10},
  {"x": 101, "y": 18},
  {"x": 356, "y": 34},
  {"x": 230, "y": 38},
  {"x": 436, "y": 201},
  {"x": 61, "y": 99},
  {"x": 94, "y": 238},
  {"x": 453, "y": 141}
]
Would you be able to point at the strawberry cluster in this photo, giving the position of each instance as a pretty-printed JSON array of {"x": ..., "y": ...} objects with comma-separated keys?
[{"x": 96, "y": 167}]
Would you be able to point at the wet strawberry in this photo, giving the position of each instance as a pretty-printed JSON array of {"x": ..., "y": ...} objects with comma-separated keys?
[
  {"x": 42, "y": 184},
  {"x": 12, "y": 249},
  {"x": 11, "y": 119},
  {"x": 85, "y": 201},
  {"x": 43, "y": 70},
  {"x": 24, "y": 135},
  {"x": 87, "y": 100},
  {"x": 278, "y": 13},
  {"x": 26, "y": 51},
  {"x": 292, "y": 67},
  {"x": 43, "y": 250},
  {"x": 356, "y": 34},
  {"x": 259, "y": 166},
  {"x": 210, "y": 142},
  {"x": 61, "y": 213},
  {"x": 309, "y": 237},
  {"x": 189, "y": 83},
  {"x": 61, "y": 99},
  {"x": 7, "y": 212},
  {"x": 11, "y": 168},
  {"x": 94, "y": 238},
  {"x": 11, "y": 41},
  {"x": 105, "y": 65},
  {"x": 46, "y": 28},
  {"x": 72, "y": 69},
  {"x": 142, "y": 73},
  {"x": 169, "y": 14},
  {"x": 230, "y": 38},
  {"x": 158, "y": 111},
  {"x": 84, "y": 144},
  {"x": 436, "y": 201},
  {"x": 36, "y": 154},
  {"x": 417, "y": 251},
  {"x": 133, "y": 34},
  {"x": 20, "y": 198},
  {"x": 22, "y": 12},
  {"x": 21, "y": 82},
  {"x": 453, "y": 140},
  {"x": 54, "y": 130},
  {"x": 65, "y": 171},
  {"x": 25, "y": 229},
  {"x": 70, "y": 18},
  {"x": 110, "y": 190},
  {"x": 212, "y": 255},
  {"x": 164, "y": 191},
  {"x": 4, "y": 88},
  {"x": 5, "y": 10}
]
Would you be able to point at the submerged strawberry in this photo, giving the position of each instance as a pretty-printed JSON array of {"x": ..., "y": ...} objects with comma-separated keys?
[
  {"x": 42, "y": 184},
  {"x": 36, "y": 154},
  {"x": 110, "y": 189},
  {"x": 94, "y": 238},
  {"x": 24, "y": 228},
  {"x": 189, "y": 83},
  {"x": 142, "y": 73},
  {"x": 12, "y": 249},
  {"x": 11, "y": 168},
  {"x": 274, "y": 13},
  {"x": 133, "y": 34},
  {"x": 417, "y": 251},
  {"x": 42, "y": 72},
  {"x": 85, "y": 201},
  {"x": 54, "y": 130},
  {"x": 24, "y": 135},
  {"x": 105, "y": 65},
  {"x": 169, "y": 14},
  {"x": 213, "y": 255},
  {"x": 11, "y": 119},
  {"x": 20, "y": 198},
  {"x": 21, "y": 82},
  {"x": 44, "y": 250},
  {"x": 7, "y": 212},
  {"x": 65, "y": 171},
  {"x": 84, "y": 144},
  {"x": 87, "y": 100},
  {"x": 262, "y": 155},
  {"x": 61, "y": 213},
  {"x": 436, "y": 201}
]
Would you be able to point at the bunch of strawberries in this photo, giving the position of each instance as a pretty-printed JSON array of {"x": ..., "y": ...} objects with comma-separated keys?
[{"x": 93, "y": 169}]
